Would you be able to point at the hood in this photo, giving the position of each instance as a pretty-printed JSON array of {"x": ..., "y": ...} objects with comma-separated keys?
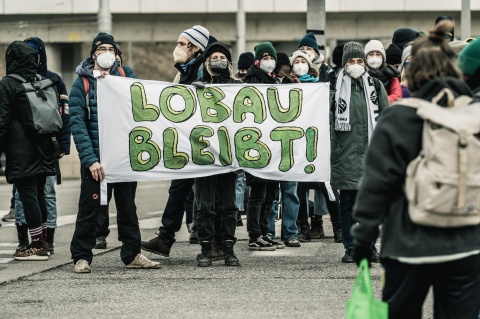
[
  {"x": 42, "y": 68},
  {"x": 255, "y": 72},
  {"x": 433, "y": 87},
  {"x": 85, "y": 68},
  {"x": 21, "y": 58}
]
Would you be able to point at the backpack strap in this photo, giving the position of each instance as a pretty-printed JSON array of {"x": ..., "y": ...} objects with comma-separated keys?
[
  {"x": 86, "y": 89},
  {"x": 121, "y": 71}
]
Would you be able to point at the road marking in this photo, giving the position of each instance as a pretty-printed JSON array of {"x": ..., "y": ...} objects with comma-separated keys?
[
  {"x": 7, "y": 252},
  {"x": 5, "y": 260}
]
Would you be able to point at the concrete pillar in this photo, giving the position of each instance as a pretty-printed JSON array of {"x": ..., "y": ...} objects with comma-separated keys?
[
  {"x": 241, "y": 27},
  {"x": 316, "y": 21},
  {"x": 466, "y": 20},
  {"x": 104, "y": 17}
]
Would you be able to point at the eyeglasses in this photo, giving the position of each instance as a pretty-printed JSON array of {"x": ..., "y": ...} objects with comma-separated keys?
[{"x": 104, "y": 49}]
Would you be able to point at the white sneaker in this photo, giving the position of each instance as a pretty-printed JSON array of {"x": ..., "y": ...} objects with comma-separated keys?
[
  {"x": 142, "y": 262},
  {"x": 82, "y": 266}
]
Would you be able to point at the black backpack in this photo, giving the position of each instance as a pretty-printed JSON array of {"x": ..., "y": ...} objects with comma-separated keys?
[{"x": 37, "y": 105}]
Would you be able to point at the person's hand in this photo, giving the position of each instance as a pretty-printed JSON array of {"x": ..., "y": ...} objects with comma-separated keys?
[
  {"x": 103, "y": 74},
  {"x": 97, "y": 171},
  {"x": 198, "y": 85},
  {"x": 361, "y": 251}
]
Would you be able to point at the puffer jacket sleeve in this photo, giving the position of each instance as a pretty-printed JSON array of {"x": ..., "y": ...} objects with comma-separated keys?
[
  {"x": 394, "y": 91},
  {"x": 78, "y": 125}
]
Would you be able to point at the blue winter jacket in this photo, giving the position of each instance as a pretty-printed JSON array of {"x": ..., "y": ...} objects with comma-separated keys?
[{"x": 84, "y": 122}]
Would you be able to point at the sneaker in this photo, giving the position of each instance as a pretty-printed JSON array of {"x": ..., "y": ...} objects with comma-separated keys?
[
  {"x": 101, "y": 242},
  {"x": 260, "y": 244},
  {"x": 32, "y": 253},
  {"x": 193, "y": 239},
  {"x": 276, "y": 244},
  {"x": 10, "y": 217},
  {"x": 142, "y": 262},
  {"x": 157, "y": 246},
  {"x": 293, "y": 242},
  {"x": 82, "y": 266},
  {"x": 348, "y": 257}
]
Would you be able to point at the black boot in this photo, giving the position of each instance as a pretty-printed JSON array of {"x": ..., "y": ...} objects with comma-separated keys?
[
  {"x": 157, "y": 245},
  {"x": 239, "y": 219},
  {"x": 316, "y": 231},
  {"x": 50, "y": 238},
  {"x": 204, "y": 259},
  {"x": 230, "y": 258},
  {"x": 304, "y": 234},
  {"x": 22, "y": 234},
  {"x": 337, "y": 232}
]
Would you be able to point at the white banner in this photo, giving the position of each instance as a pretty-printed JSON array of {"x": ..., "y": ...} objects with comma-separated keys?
[{"x": 151, "y": 130}]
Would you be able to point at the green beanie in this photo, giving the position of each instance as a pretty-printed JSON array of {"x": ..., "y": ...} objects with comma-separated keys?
[
  {"x": 469, "y": 58},
  {"x": 264, "y": 48}
]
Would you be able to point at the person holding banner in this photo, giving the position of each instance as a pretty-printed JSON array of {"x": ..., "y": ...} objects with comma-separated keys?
[
  {"x": 84, "y": 126},
  {"x": 358, "y": 99},
  {"x": 216, "y": 190}
]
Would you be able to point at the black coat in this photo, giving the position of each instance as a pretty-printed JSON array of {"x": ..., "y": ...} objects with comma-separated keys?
[
  {"x": 26, "y": 156},
  {"x": 191, "y": 74}
]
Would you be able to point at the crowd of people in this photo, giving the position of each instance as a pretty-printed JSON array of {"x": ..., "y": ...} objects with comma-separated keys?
[{"x": 372, "y": 143}]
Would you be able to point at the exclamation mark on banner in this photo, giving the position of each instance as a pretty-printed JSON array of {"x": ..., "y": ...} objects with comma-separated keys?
[{"x": 312, "y": 141}]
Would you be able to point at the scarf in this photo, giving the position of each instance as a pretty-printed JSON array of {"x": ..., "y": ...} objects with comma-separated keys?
[
  {"x": 385, "y": 73},
  {"x": 185, "y": 65},
  {"x": 307, "y": 78},
  {"x": 342, "y": 102}
]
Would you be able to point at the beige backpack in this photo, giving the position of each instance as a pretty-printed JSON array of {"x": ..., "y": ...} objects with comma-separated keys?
[{"x": 443, "y": 183}]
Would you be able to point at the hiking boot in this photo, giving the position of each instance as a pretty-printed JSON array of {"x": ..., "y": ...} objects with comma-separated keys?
[
  {"x": 304, "y": 235},
  {"x": 276, "y": 244},
  {"x": 50, "y": 239},
  {"x": 193, "y": 239},
  {"x": 32, "y": 253},
  {"x": 82, "y": 266},
  {"x": 142, "y": 262},
  {"x": 101, "y": 242},
  {"x": 316, "y": 230},
  {"x": 10, "y": 217},
  {"x": 337, "y": 233},
  {"x": 157, "y": 246},
  {"x": 22, "y": 235},
  {"x": 293, "y": 242},
  {"x": 348, "y": 257},
  {"x": 217, "y": 251},
  {"x": 204, "y": 259},
  {"x": 260, "y": 244},
  {"x": 230, "y": 257}
]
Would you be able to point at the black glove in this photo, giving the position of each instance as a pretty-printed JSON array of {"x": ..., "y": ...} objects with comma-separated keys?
[
  {"x": 198, "y": 84},
  {"x": 361, "y": 251}
]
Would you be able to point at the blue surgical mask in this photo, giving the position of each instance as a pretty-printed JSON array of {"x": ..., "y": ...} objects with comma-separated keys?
[{"x": 406, "y": 64}]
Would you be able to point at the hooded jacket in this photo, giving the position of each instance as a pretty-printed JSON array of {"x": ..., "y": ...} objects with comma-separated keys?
[
  {"x": 85, "y": 128},
  {"x": 26, "y": 156},
  {"x": 63, "y": 136},
  {"x": 397, "y": 140}
]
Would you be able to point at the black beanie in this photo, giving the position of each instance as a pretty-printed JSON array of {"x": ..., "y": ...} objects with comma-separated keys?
[
  {"x": 394, "y": 54},
  {"x": 102, "y": 38},
  {"x": 402, "y": 36},
  {"x": 337, "y": 55},
  {"x": 282, "y": 59},
  {"x": 217, "y": 47},
  {"x": 245, "y": 61}
]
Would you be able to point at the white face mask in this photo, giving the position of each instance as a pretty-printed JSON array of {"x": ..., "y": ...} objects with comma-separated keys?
[
  {"x": 179, "y": 55},
  {"x": 106, "y": 60},
  {"x": 300, "y": 69},
  {"x": 374, "y": 62},
  {"x": 268, "y": 66},
  {"x": 355, "y": 70}
]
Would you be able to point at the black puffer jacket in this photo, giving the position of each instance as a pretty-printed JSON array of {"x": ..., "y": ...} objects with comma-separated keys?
[{"x": 24, "y": 154}]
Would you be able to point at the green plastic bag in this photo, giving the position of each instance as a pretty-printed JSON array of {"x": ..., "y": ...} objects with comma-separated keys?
[{"x": 362, "y": 304}]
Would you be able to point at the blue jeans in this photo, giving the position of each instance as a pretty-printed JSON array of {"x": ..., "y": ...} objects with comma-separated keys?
[
  {"x": 240, "y": 191},
  {"x": 50, "y": 199},
  {"x": 290, "y": 205},
  {"x": 347, "y": 200}
]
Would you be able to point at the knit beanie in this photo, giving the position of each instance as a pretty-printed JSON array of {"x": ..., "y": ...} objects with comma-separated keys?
[
  {"x": 264, "y": 48},
  {"x": 375, "y": 45},
  {"x": 245, "y": 61},
  {"x": 337, "y": 54},
  {"x": 353, "y": 50},
  {"x": 197, "y": 35},
  {"x": 393, "y": 54},
  {"x": 458, "y": 45},
  {"x": 402, "y": 36},
  {"x": 469, "y": 59},
  {"x": 102, "y": 38},
  {"x": 309, "y": 40},
  {"x": 303, "y": 54},
  {"x": 217, "y": 47}
]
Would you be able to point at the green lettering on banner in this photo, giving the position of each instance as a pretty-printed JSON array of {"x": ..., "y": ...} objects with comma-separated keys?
[
  {"x": 198, "y": 144},
  {"x": 144, "y": 153},
  {"x": 246, "y": 140},
  {"x": 249, "y": 100},
  {"x": 312, "y": 140},
  {"x": 172, "y": 159},
  {"x": 211, "y": 107},
  {"x": 225, "y": 147},
  {"x": 166, "y": 100},
  {"x": 281, "y": 114},
  {"x": 140, "y": 109},
  {"x": 286, "y": 135}
]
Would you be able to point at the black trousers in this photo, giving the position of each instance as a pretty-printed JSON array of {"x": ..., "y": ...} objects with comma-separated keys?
[
  {"x": 83, "y": 239},
  {"x": 456, "y": 288},
  {"x": 259, "y": 207},
  {"x": 332, "y": 206}
]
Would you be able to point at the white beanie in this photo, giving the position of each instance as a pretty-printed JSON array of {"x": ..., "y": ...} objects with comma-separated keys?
[
  {"x": 197, "y": 35},
  {"x": 304, "y": 55},
  {"x": 375, "y": 45}
]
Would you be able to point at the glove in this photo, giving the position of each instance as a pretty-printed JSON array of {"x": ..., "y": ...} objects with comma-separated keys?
[
  {"x": 361, "y": 251},
  {"x": 198, "y": 85}
]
